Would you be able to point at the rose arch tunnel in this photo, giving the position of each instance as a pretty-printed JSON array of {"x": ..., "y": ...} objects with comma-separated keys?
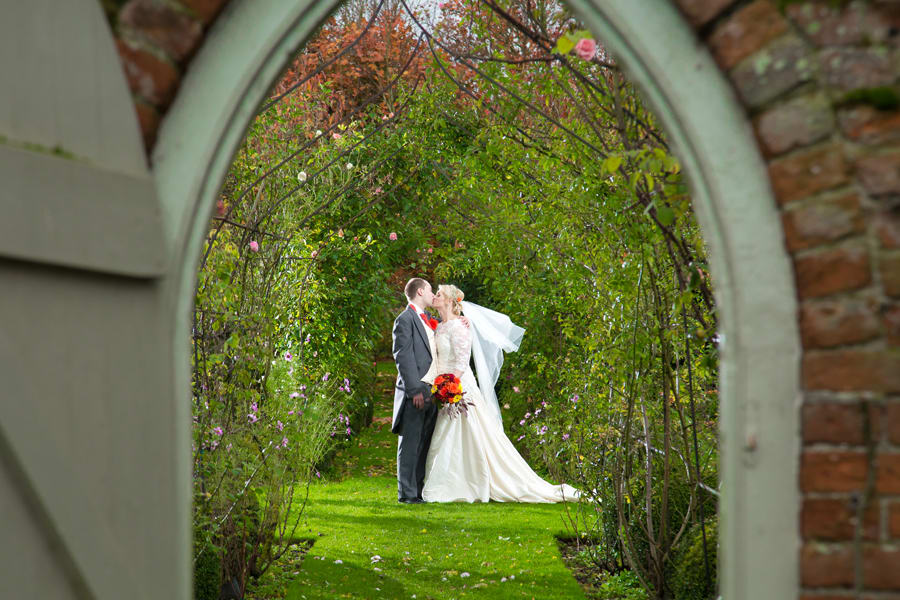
[{"x": 114, "y": 144}]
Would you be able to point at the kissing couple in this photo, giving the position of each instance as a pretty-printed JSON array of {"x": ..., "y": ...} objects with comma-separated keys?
[{"x": 465, "y": 456}]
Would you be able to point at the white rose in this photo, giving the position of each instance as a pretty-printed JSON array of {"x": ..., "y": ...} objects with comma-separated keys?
[
  {"x": 318, "y": 132},
  {"x": 301, "y": 176},
  {"x": 349, "y": 166}
]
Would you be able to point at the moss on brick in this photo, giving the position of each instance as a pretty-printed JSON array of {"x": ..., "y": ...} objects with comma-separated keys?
[{"x": 882, "y": 98}]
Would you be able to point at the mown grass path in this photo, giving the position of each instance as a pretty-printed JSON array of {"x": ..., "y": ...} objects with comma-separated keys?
[{"x": 367, "y": 545}]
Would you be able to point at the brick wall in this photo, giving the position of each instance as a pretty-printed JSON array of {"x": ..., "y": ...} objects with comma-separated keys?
[
  {"x": 812, "y": 76},
  {"x": 819, "y": 81}
]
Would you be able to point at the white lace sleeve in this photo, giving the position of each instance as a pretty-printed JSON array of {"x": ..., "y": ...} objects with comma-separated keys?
[{"x": 461, "y": 340}]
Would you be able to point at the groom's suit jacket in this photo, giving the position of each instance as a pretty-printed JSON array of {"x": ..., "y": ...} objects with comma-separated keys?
[{"x": 414, "y": 352}]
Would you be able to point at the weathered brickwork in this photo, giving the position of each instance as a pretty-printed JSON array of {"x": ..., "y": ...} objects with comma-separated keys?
[
  {"x": 820, "y": 84},
  {"x": 820, "y": 81}
]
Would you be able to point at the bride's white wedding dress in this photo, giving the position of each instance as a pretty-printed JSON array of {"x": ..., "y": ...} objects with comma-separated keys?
[{"x": 471, "y": 459}]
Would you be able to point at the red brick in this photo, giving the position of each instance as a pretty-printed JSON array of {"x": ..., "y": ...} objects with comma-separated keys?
[
  {"x": 794, "y": 124},
  {"x": 881, "y": 568},
  {"x": 868, "y": 125},
  {"x": 830, "y": 323},
  {"x": 824, "y": 565},
  {"x": 148, "y": 75},
  {"x": 852, "y": 370},
  {"x": 887, "y": 225},
  {"x": 833, "y": 470},
  {"x": 834, "y": 520},
  {"x": 833, "y": 423},
  {"x": 833, "y": 270},
  {"x": 889, "y": 268},
  {"x": 828, "y": 24},
  {"x": 892, "y": 422},
  {"x": 776, "y": 69},
  {"x": 807, "y": 172},
  {"x": 177, "y": 33},
  {"x": 893, "y": 520},
  {"x": 880, "y": 173},
  {"x": 701, "y": 12},
  {"x": 890, "y": 318},
  {"x": 887, "y": 475},
  {"x": 148, "y": 119},
  {"x": 746, "y": 31},
  {"x": 822, "y": 221},
  {"x": 206, "y": 10},
  {"x": 854, "y": 68}
]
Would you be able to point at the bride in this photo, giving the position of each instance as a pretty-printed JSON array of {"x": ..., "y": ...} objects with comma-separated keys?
[{"x": 471, "y": 459}]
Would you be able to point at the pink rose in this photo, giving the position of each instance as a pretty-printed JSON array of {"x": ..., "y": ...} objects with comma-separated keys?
[
  {"x": 393, "y": 236},
  {"x": 254, "y": 247},
  {"x": 516, "y": 389},
  {"x": 586, "y": 48},
  {"x": 220, "y": 207},
  {"x": 378, "y": 191},
  {"x": 314, "y": 254},
  {"x": 336, "y": 135}
]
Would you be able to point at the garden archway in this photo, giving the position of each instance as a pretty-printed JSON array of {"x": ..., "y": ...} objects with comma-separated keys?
[{"x": 246, "y": 51}]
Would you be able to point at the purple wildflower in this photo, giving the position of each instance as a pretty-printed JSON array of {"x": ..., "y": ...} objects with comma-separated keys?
[
  {"x": 349, "y": 432},
  {"x": 253, "y": 407},
  {"x": 218, "y": 431},
  {"x": 326, "y": 376},
  {"x": 522, "y": 422},
  {"x": 284, "y": 442},
  {"x": 528, "y": 415},
  {"x": 253, "y": 418},
  {"x": 280, "y": 426},
  {"x": 288, "y": 356},
  {"x": 295, "y": 394},
  {"x": 520, "y": 437},
  {"x": 542, "y": 430},
  {"x": 565, "y": 436}
]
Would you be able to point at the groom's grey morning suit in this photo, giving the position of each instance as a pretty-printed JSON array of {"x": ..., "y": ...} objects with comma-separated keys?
[{"x": 414, "y": 355}]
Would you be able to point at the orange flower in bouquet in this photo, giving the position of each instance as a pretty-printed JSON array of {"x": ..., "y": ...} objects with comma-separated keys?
[{"x": 447, "y": 389}]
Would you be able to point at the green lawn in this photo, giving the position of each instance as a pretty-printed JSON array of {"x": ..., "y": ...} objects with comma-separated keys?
[{"x": 367, "y": 545}]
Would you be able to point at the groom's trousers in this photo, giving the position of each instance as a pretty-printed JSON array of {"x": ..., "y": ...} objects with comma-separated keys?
[{"x": 416, "y": 429}]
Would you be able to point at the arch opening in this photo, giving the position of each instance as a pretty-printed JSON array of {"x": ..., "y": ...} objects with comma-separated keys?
[{"x": 724, "y": 171}]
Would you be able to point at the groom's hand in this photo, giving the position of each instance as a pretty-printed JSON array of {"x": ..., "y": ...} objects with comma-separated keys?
[{"x": 419, "y": 401}]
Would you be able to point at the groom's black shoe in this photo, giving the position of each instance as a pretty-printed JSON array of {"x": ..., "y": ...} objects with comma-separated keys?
[{"x": 411, "y": 501}]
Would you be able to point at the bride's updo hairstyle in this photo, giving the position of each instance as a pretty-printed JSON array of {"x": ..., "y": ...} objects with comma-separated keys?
[{"x": 455, "y": 295}]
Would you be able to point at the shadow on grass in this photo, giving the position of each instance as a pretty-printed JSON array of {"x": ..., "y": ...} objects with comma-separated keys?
[{"x": 325, "y": 579}]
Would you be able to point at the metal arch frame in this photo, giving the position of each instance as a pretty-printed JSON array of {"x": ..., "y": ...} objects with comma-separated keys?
[{"x": 760, "y": 353}]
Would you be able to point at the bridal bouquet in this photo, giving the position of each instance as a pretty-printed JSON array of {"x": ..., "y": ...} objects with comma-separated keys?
[{"x": 447, "y": 389}]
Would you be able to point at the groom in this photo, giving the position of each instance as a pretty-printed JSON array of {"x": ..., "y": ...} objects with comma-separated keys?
[{"x": 414, "y": 412}]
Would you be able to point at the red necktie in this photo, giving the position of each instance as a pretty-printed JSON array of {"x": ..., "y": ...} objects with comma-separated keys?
[{"x": 428, "y": 322}]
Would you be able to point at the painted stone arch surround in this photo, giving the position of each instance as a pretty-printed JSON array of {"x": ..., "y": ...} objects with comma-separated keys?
[
  {"x": 796, "y": 185},
  {"x": 834, "y": 172}
]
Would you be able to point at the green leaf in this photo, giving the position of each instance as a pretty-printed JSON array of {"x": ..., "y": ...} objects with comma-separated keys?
[
  {"x": 665, "y": 215},
  {"x": 612, "y": 163},
  {"x": 564, "y": 45}
]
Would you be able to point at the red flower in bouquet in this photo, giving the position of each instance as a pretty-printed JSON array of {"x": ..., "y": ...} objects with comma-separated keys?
[{"x": 447, "y": 389}]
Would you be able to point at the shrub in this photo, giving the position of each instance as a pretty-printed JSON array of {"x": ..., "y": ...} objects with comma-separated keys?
[
  {"x": 207, "y": 568},
  {"x": 622, "y": 586},
  {"x": 687, "y": 576}
]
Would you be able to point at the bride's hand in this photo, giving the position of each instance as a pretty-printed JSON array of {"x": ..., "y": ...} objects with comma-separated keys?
[{"x": 464, "y": 320}]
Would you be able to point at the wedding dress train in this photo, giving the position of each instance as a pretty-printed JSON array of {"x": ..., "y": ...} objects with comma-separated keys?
[{"x": 471, "y": 459}]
